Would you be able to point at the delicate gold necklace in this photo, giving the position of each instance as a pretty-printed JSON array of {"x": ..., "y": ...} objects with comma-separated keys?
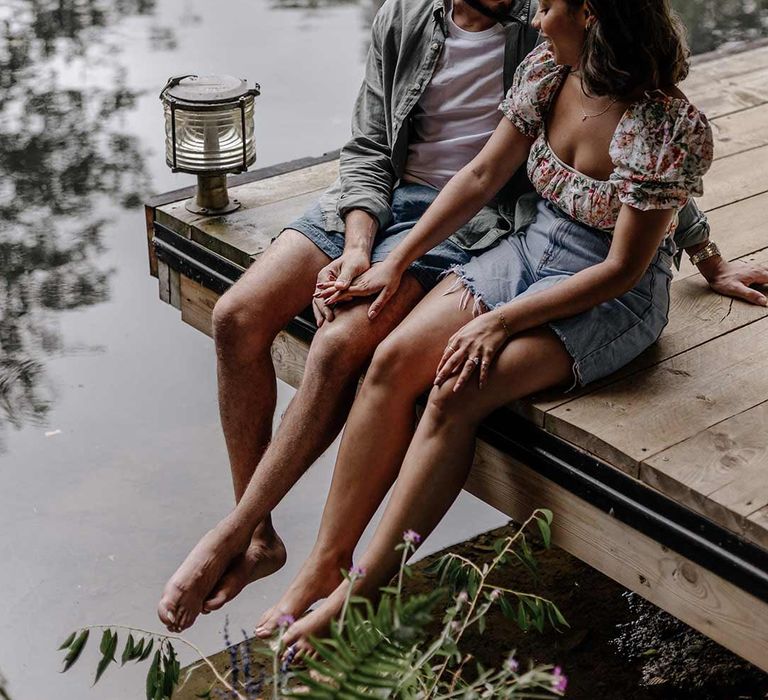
[{"x": 582, "y": 92}]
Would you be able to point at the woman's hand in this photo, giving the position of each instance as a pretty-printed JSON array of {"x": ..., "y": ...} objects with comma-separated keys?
[
  {"x": 474, "y": 345},
  {"x": 383, "y": 277},
  {"x": 338, "y": 274}
]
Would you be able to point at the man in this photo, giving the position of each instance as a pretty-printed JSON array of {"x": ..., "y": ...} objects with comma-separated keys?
[{"x": 434, "y": 77}]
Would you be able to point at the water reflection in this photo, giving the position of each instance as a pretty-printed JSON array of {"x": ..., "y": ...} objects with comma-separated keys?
[
  {"x": 63, "y": 150},
  {"x": 712, "y": 23}
]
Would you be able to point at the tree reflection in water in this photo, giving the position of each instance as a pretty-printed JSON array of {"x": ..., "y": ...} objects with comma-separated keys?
[
  {"x": 712, "y": 23},
  {"x": 63, "y": 152}
]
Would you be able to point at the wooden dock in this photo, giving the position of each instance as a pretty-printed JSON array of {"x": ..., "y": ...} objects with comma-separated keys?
[{"x": 658, "y": 476}]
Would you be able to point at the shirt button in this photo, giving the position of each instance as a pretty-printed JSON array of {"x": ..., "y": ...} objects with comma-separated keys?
[
  {"x": 416, "y": 87},
  {"x": 435, "y": 46}
]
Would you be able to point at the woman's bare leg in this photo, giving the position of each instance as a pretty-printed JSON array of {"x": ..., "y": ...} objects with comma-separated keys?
[
  {"x": 439, "y": 458},
  {"x": 379, "y": 429}
]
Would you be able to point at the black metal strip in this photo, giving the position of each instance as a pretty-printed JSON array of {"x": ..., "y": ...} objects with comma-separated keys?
[{"x": 682, "y": 530}]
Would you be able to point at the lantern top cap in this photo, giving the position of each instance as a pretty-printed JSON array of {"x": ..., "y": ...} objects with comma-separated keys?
[{"x": 207, "y": 89}]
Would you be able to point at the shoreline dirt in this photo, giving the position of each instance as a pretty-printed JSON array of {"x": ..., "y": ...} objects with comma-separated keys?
[{"x": 618, "y": 646}]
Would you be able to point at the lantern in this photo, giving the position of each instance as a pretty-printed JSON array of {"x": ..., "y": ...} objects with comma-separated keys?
[{"x": 209, "y": 132}]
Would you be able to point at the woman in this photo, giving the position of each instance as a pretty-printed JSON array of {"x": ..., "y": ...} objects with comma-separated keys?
[{"x": 613, "y": 150}]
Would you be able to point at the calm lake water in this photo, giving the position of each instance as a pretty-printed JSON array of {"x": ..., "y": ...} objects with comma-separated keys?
[{"x": 112, "y": 462}]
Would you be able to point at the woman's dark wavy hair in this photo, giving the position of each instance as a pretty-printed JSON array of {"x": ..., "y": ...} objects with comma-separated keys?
[{"x": 632, "y": 44}]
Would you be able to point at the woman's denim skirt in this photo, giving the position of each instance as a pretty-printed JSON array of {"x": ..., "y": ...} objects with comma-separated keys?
[
  {"x": 409, "y": 202},
  {"x": 552, "y": 248}
]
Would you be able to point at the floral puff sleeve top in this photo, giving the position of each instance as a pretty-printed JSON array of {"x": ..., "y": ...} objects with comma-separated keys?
[{"x": 661, "y": 149}]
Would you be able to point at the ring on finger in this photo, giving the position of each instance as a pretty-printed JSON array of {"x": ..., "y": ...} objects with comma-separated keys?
[
  {"x": 476, "y": 360},
  {"x": 450, "y": 347}
]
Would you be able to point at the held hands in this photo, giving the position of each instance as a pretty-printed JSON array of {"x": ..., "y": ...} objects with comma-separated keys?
[
  {"x": 337, "y": 276},
  {"x": 382, "y": 278},
  {"x": 473, "y": 346},
  {"x": 733, "y": 279}
]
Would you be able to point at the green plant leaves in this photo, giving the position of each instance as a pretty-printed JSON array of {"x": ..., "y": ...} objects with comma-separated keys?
[
  {"x": 76, "y": 647},
  {"x": 152, "y": 676},
  {"x": 129, "y": 651},
  {"x": 108, "y": 647},
  {"x": 65, "y": 644}
]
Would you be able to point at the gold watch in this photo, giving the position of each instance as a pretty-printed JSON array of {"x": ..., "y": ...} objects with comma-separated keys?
[{"x": 708, "y": 251}]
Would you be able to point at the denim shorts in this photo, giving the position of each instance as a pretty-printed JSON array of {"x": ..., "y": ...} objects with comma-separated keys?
[
  {"x": 552, "y": 248},
  {"x": 409, "y": 202}
]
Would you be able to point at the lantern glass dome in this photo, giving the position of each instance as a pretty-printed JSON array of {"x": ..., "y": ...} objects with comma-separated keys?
[
  {"x": 209, "y": 124},
  {"x": 210, "y": 141}
]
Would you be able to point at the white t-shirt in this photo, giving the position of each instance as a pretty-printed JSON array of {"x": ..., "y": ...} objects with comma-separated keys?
[{"x": 457, "y": 112}]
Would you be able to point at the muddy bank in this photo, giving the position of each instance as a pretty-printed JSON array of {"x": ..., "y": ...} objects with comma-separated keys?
[{"x": 618, "y": 646}]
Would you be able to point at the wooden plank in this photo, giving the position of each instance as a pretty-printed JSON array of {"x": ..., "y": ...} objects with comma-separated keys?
[
  {"x": 701, "y": 599},
  {"x": 735, "y": 178},
  {"x": 740, "y": 131},
  {"x": 164, "y": 281},
  {"x": 174, "y": 285},
  {"x": 716, "y": 66},
  {"x": 255, "y": 194},
  {"x": 633, "y": 419},
  {"x": 757, "y": 525},
  {"x": 149, "y": 218},
  {"x": 197, "y": 304},
  {"x": 718, "y": 97},
  {"x": 720, "y": 472},
  {"x": 249, "y": 232}
]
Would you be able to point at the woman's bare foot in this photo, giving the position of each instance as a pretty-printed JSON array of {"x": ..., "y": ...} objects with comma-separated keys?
[
  {"x": 187, "y": 589},
  {"x": 265, "y": 555},
  {"x": 316, "y": 623},
  {"x": 318, "y": 578}
]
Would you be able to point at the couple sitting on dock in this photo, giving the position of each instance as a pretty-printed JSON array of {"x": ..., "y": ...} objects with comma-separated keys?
[{"x": 435, "y": 271}]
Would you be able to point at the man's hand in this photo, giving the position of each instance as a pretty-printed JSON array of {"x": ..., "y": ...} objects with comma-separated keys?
[
  {"x": 733, "y": 279},
  {"x": 338, "y": 275}
]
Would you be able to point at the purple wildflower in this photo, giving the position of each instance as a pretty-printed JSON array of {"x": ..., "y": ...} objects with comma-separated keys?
[
  {"x": 290, "y": 654},
  {"x": 511, "y": 664},
  {"x": 559, "y": 680},
  {"x": 412, "y": 537},
  {"x": 495, "y": 593},
  {"x": 285, "y": 620},
  {"x": 232, "y": 649},
  {"x": 357, "y": 571},
  {"x": 462, "y": 598}
]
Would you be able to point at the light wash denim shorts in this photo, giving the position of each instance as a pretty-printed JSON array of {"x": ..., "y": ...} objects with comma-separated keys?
[
  {"x": 409, "y": 202},
  {"x": 553, "y": 248}
]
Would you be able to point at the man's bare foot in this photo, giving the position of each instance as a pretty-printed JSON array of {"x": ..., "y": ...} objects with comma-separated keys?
[
  {"x": 318, "y": 578},
  {"x": 264, "y": 556},
  {"x": 187, "y": 589}
]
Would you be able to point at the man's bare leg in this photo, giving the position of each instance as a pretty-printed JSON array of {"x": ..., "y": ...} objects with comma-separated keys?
[
  {"x": 246, "y": 321},
  {"x": 313, "y": 419}
]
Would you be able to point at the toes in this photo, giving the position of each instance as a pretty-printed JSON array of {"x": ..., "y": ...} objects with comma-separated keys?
[
  {"x": 166, "y": 614},
  {"x": 216, "y": 601},
  {"x": 265, "y": 630}
]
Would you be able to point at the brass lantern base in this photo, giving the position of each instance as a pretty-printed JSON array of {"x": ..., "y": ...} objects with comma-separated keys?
[{"x": 211, "y": 198}]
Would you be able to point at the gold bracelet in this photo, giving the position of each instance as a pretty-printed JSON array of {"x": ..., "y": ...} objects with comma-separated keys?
[
  {"x": 708, "y": 251},
  {"x": 503, "y": 322}
]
